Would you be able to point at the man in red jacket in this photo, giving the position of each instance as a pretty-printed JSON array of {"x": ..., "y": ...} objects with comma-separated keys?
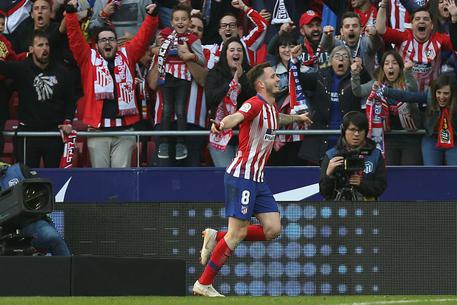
[{"x": 108, "y": 78}]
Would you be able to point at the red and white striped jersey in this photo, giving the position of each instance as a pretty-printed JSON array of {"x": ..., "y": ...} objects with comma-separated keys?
[
  {"x": 196, "y": 103},
  {"x": 426, "y": 55},
  {"x": 256, "y": 139},
  {"x": 399, "y": 16},
  {"x": 251, "y": 42}
]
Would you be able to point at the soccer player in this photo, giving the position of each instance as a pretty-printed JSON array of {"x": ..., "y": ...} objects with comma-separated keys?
[{"x": 246, "y": 194}]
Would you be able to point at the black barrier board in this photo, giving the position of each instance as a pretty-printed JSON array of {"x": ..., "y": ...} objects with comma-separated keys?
[{"x": 326, "y": 248}]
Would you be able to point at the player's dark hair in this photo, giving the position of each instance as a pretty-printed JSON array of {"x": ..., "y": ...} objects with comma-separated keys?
[{"x": 255, "y": 73}]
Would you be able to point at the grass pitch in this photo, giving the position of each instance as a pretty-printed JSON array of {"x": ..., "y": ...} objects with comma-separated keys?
[{"x": 191, "y": 300}]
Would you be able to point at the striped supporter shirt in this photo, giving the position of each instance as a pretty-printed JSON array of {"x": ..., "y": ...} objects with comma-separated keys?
[
  {"x": 399, "y": 16},
  {"x": 425, "y": 55},
  {"x": 256, "y": 139},
  {"x": 196, "y": 103}
]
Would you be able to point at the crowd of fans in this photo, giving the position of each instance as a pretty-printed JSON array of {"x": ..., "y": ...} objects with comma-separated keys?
[{"x": 126, "y": 65}]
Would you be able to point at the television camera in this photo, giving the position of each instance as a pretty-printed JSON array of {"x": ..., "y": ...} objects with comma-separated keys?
[{"x": 354, "y": 162}]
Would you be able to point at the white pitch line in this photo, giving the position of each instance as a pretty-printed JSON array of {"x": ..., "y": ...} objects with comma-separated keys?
[{"x": 401, "y": 302}]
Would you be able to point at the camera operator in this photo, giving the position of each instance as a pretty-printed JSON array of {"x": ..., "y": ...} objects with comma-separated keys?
[
  {"x": 354, "y": 169},
  {"x": 38, "y": 227}
]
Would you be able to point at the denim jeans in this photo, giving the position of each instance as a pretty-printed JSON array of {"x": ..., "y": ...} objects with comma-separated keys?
[
  {"x": 437, "y": 156},
  {"x": 45, "y": 236}
]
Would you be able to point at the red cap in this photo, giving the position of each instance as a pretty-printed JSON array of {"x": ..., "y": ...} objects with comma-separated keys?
[{"x": 308, "y": 16}]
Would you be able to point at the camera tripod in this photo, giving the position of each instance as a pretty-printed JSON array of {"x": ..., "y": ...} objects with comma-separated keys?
[{"x": 346, "y": 193}]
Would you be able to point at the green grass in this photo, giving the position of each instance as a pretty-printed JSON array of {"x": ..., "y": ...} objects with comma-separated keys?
[{"x": 190, "y": 300}]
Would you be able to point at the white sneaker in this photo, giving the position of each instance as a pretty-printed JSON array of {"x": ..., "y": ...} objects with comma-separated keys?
[
  {"x": 205, "y": 290},
  {"x": 209, "y": 242}
]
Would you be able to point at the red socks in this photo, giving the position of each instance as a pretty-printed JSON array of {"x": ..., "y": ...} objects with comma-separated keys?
[
  {"x": 222, "y": 252},
  {"x": 255, "y": 233},
  {"x": 218, "y": 258}
]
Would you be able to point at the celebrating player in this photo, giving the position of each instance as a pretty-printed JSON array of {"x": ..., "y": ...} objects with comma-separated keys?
[{"x": 246, "y": 194}]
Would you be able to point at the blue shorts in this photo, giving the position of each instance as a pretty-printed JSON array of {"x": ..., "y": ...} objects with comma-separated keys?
[{"x": 244, "y": 198}]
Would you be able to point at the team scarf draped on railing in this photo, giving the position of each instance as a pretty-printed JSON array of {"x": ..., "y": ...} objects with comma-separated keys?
[
  {"x": 228, "y": 105},
  {"x": 377, "y": 111},
  {"x": 69, "y": 141}
]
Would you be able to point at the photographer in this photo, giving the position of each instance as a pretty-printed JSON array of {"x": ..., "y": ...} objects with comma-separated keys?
[{"x": 354, "y": 169}]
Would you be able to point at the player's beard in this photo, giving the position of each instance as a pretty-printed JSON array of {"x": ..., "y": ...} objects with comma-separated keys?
[{"x": 271, "y": 90}]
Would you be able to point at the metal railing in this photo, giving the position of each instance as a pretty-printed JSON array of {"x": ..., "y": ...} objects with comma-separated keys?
[{"x": 175, "y": 133}]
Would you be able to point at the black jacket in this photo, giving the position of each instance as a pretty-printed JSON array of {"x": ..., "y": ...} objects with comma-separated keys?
[
  {"x": 45, "y": 96},
  {"x": 374, "y": 182},
  {"x": 320, "y": 85},
  {"x": 217, "y": 86}
]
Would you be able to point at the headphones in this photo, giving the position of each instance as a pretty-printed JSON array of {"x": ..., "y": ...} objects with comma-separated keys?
[
  {"x": 349, "y": 117},
  {"x": 346, "y": 120}
]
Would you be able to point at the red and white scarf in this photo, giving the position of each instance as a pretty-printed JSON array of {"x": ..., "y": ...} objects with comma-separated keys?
[
  {"x": 228, "y": 105},
  {"x": 377, "y": 112},
  {"x": 104, "y": 85},
  {"x": 69, "y": 141},
  {"x": 445, "y": 131},
  {"x": 169, "y": 42}
]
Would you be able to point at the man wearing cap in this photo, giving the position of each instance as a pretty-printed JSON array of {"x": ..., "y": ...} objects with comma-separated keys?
[
  {"x": 311, "y": 30},
  {"x": 312, "y": 55}
]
